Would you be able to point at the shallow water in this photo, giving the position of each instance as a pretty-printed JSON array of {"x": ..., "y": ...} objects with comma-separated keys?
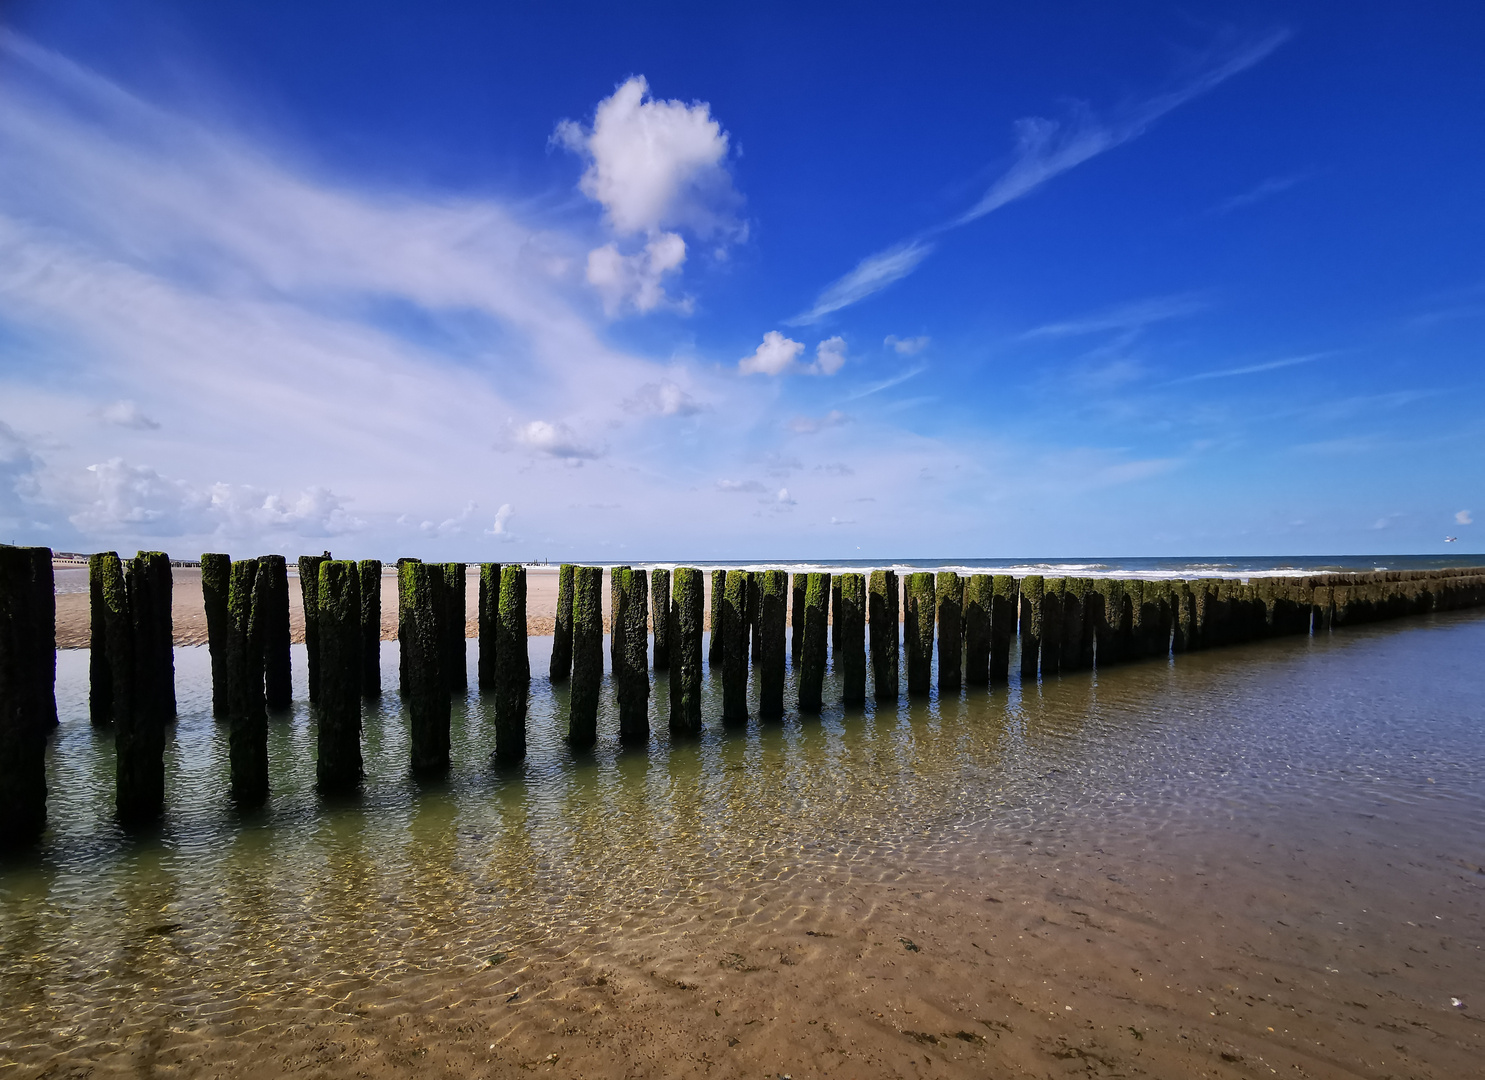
[{"x": 104, "y": 935}]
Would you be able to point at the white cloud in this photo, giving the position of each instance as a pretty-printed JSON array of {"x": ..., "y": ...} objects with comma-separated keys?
[
  {"x": 664, "y": 398},
  {"x": 784, "y": 499},
  {"x": 126, "y": 414},
  {"x": 740, "y": 486},
  {"x": 654, "y": 164},
  {"x": 450, "y": 526},
  {"x": 554, "y": 440},
  {"x": 1464, "y": 517},
  {"x": 872, "y": 274},
  {"x": 906, "y": 346},
  {"x": 830, "y": 356},
  {"x": 774, "y": 357},
  {"x": 501, "y": 527},
  {"x": 1134, "y": 316},
  {"x": 635, "y": 280},
  {"x": 809, "y": 425}
]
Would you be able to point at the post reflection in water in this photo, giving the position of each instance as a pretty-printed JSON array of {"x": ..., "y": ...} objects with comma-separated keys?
[{"x": 316, "y": 904}]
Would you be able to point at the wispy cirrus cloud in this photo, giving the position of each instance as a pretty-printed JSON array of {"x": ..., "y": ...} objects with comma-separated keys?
[
  {"x": 1132, "y": 316},
  {"x": 1250, "y": 369},
  {"x": 1046, "y": 148},
  {"x": 1266, "y": 189}
]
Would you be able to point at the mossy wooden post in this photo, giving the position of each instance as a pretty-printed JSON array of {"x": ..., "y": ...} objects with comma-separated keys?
[
  {"x": 1051, "y": 659},
  {"x": 27, "y": 697},
  {"x": 882, "y": 609},
  {"x": 755, "y": 608},
  {"x": 587, "y": 657},
  {"x": 455, "y": 653},
  {"x": 851, "y": 662},
  {"x": 402, "y": 631},
  {"x": 512, "y": 666},
  {"x": 561, "y": 666},
  {"x": 369, "y": 584},
  {"x": 632, "y": 672},
  {"x": 714, "y": 619},
  {"x": 835, "y": 586},
  {"x": 1071, "y": 657},
  {"x": 425, "y": 688},
  {"x": 1133, "y": 635},
  {"x": 342, "y": 660},
  {"x": 1101, "y": 609},
  {"x": 949, "y": 599},
  {"x": 1032, "y": 587},
  {"x": 684, "y": 633},
  {"x": 917, "y": 632},
  {"x": 489, "y": 621},
  {"x": 735, "y": 649},
  {"x": 216, "y": 579},
  {"x": 1321, "y": 607},
  {"x": 150, "y": 608},
  {"x": 247, "y": 740},
  {"x": 660, "y": 617},
  {"x": 773, "y": 600},
  {"x": 812, "y": 647},
  {"x": 278, "y": 684},
  {"x": 118, "y": 630},
  {"x": 309, "y": 584},
  {"x": 977, "y": 603},
  {"x": 1004, "y": 598},
  {"x": 1183, "y": 609},
  {"x": 797, "y": 586}
]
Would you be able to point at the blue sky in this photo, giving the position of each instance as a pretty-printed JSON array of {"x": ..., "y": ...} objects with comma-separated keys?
[{"x": 637, "y": 282}]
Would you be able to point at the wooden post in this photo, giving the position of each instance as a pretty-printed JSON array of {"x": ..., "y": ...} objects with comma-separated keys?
[
  {"x": 489, "y": 623},
  {"x": 634, "y": 675},
  {"x": 917, "y": 632},
  {"x": 1052, "y": 625},
  {"x": 812, "y": 647},
  {"x": 1073, "y": 628},
  {"x": 735, "y": 649},
  {"x": 1004, "y": 599},
  {"x": 714, "y": 621},
  {"x": 1032, "y": 587},
  {"x": 424, "y": 685},
  {"x": 369, "y": 571},
  {"x": 949, "y": 597},
  {"x": 684, "y": 634},
  {"x": 512, "y": 666},
  {"x": 456, "y": 654},
  {"x": 561, "y": 667},
  {"x": 977, "y": 604},
  {"x": 1182, "y": 611},
  {"x": 587, "y": 656},
  {"x": 216, "y": 579},
  {"x": 342, "y": 660},
  {"x": 882, "y": 608},
  {"x": 798, "y": 585},
  {"x": 835, "y": 584},
  {"x": 27, "y": 695},
  {"x": 247, "y": 741},
  {"x": 402, "y": 632},
  {"x": 851, "y": 662},
  {"x": 150, "y": 607},
  {"x": 755, "y": 609},
  {"x": 309, "y": 584},
  {"x": 278, "y": 684},
  {"x": 773, "y": 599},
  {"x": 660, "y": 617}
]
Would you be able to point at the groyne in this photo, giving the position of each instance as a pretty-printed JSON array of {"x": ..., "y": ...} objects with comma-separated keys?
[{"x": 763, "y": 624}]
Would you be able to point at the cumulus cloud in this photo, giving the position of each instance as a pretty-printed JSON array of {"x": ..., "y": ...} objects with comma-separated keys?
[
  {"x": 1464, "y": 517},
  {"x": 830, "y": 356},
  {"x": 740, "y": 486},
  {"x": 783, "y": 498},
  {"x": 555, "y": 440},
  {"x": 664, "y": 398},
  {"x": 654, "y": 164},
  {"x": 450, "y": 526},
  {"x": 906, "y": 346},
  {"x": 809, "y": 425},
  {"x": 634, "y": 281},
  {"x": 501, "y": 528},
  {"x": 774, "y": 357},
  {"x": 126, "y": 414}
]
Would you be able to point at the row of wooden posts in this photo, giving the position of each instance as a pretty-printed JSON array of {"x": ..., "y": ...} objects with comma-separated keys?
[{"x": 1063, "y": 624}]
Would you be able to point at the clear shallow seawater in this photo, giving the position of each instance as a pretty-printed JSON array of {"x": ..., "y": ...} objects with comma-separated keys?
[{"x": 103, "y": 934}]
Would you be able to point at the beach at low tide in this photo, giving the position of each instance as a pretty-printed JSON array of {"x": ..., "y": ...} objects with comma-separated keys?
[{"x": 1264, "y": 860}]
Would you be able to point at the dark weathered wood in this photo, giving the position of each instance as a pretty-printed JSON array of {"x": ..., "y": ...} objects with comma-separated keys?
[
  {"x": 247, "y": 741},
  {"x": 587, "y": 656},
  {"x": 402, "y": 631},
  {"x": 773, "y": 599},
  {"x": 632, "y": 670},
  {"x": 686, "y": 614},
  {"x": 278, "y": 684},
  {"x": 489, "y": 621},
  {"x": 812, "y": 657},
  {"x": 150, "y": 607},
  {"x": 882, "y": 610},
  {"x": 309, "y": 585},
  {"x": 978, "y": 599},
  {"x": 714, "y": 621},
  {"x": 660, "y": 617},
  {"x": 455, "y": 650},
  {"x": 949, "y": 600},
  {"x": 1051, "y": 625},
  {"x": 755, "y": 605},
  {"x": 216, "y": 580},
  {"x": 735, "y": 648},
  {"x": 561, "y": 666},
  {"x": 917, "y": 632},
  {"x": 1073, "y": 625},
  {"x": 512, "y": 666},
  {"x": 1031, "y": 625},
  {"x": 425, "y": 688},
  {"x": 338, "y": 765},
  {"x": 369, "y": 572},
  {"x": 1004, "y": 598},
  {"x": 835, "y": 619},
  {"x": 27, "y": 697},
  {"x": 851, "y": 658}
]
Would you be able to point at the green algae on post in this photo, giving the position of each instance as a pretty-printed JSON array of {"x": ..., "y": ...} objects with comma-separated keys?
[
  {"x": 488, "y": 613},
  {"x": 247, "y": 740},
  {"x": 773, "y": 599},
  {"x": 714, "y": 619},
  {"x": 309, "y": 584},
  {"x": 369, "y": 572},
  {"x": 512, "y": 666},
  {"x": 851, "y": 661},
  {"x": 631, "y": 651},
  {"x": 949, "y": 599},
  {"x": 278, "y": 686},
  {"x": 561, "y": 666},
  {"x": 27, "y": 673},
  {"x": 978, "y": 593},
  {"x": 150, "y": 607},
  {"x": 1051, "y": 625},
  {"x": 402, "y": 631},
  {"x": 424, "y": 687},
  {"x": 1031, "y": 624},
  {"x": 684, "y": 632},
  {"x": 1073, "y": 626},
  {"x": 816, "y": 631},
  {"x": 735, "y": 648},
  {"x": 883, "y": 626},
  {"x": 660, "y": 617},
  {"x": 797, "y": 586},
  {"x": 1004, "y": 593},
  {"x": 917, "y": 632},
  {"x": 338, "y": 763},
  {"x": 216, "y": 577},
  {"x": 834, "y": 618},
  {"x": 587, "y": 657},
  {"x": 755, "y": 604}
]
